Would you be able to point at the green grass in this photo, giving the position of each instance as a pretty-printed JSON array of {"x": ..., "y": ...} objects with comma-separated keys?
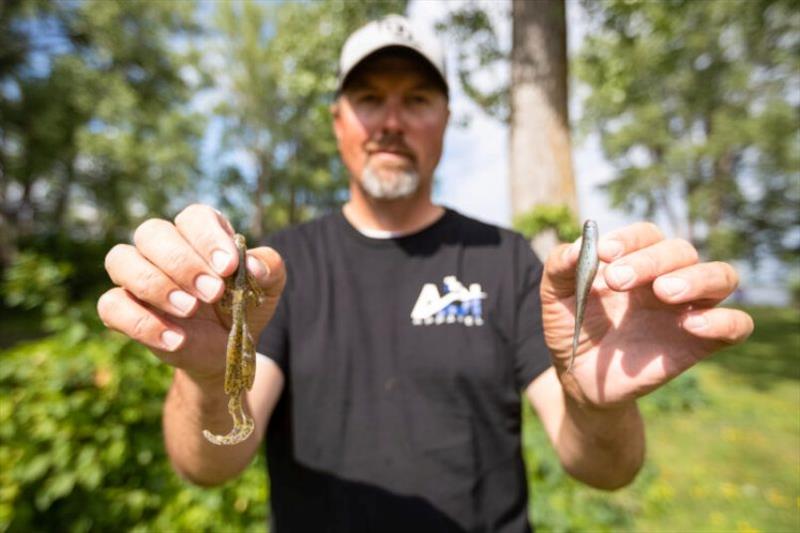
[
  {"x": 732, "y": 461},
  {"x": 734, "y": 464}
]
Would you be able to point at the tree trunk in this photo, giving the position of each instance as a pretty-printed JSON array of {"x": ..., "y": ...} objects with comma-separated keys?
[{"x": 540, "y": 159}]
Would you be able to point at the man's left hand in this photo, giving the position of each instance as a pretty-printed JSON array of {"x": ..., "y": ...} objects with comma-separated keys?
[{"x": 651, "y": 314}]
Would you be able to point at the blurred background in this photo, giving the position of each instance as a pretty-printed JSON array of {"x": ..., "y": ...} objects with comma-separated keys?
[{"x": 682, "y": 112}]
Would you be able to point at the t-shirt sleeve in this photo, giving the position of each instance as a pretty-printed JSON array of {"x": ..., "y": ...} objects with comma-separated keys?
[
  {"x": 274, "y": 339},
  {"x": 531, "y": 355}
]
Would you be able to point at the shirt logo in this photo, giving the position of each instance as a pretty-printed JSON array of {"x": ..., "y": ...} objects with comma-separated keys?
[{"x": 455, "y": 304}]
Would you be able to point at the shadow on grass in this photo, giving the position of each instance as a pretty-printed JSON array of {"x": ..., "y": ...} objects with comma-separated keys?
[{"x": 771, "y": 354}]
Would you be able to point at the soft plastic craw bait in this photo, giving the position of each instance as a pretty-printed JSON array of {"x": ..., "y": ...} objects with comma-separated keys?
[{"x": 240, "y": 363}]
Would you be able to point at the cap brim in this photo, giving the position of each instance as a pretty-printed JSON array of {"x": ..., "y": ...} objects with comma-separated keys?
[{"x": 343, "y": 75}]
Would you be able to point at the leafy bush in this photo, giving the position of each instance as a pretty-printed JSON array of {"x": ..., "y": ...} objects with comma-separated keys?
[
  {"x": 556, "y": 217},
  {"x": 681, "y": 394},
  {"x": 81, "y": 445},
  {"x": 80, "y": 426},
  {"x": 36, "y": 282},
  {"x": 558, "y": 503}
]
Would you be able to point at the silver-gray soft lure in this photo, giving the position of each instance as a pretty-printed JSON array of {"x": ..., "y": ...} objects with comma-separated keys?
[{"x": 584, "y": 276}]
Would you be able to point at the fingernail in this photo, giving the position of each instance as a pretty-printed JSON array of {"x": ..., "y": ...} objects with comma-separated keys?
[
  {"x": 695, "y": 322},
  {"x": 220, "y": 260},
  {"x": 610, "y": 248},
  {"x": 673, "y": 286},
  {"x": 208, "y": 286},
  {"x": 256, "y": 268},
  {"x": 182, "y": 301},
  {"x": 171, "y": 339},
  {"x": 622, "y": 274}
]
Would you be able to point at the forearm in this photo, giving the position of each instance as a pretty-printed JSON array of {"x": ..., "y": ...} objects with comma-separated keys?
[
  {"x": 602, "y": 448},
  {"x": 190, "y": 408}
]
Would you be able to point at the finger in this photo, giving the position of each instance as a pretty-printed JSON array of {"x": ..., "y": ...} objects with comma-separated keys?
[
  {"x": 267, "y": 266},
  {"x": 644, "y": 265},
  {"x": 558, "y": 279},
  {"x": 704, "y": 282},
  {"x": 120, "y": 311},
  {"x": 628, "y": 239},
  {"x": 194, "y": 345},
  {"x": 127, "y": 268},
  {"x": 725, "y": 326},
  {"x": 210, "y": 234},
  {"x": 161, "y": 244}
]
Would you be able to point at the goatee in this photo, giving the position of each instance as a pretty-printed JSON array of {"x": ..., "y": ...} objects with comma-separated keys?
[{"x": 389, "y": 184}]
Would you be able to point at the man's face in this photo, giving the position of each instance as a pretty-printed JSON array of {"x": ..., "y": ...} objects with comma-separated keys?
[{"x": 390, "y": 123}]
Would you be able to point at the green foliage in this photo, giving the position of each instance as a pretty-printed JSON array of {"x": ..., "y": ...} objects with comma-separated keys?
[
  {"x": 81, "y": 446},
  {"x": 80, "y": 427},
  {"x": 478, "y": 52},
  {"x": 794, "y": 290},
  {"x": 682, "y": 394},
  {"x": 693, "y": 102},
  {"x": 557, "y": 502},
  {"x": 557, "y": 217},
  {"x": 95, "y": 130},
  {"x": 34, "y": 280}
]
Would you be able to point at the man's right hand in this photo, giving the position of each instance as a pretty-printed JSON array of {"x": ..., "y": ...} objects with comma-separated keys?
[{"x": 168, "y": 280}]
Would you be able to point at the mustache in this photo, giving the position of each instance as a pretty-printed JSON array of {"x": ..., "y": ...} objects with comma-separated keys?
[{"x": 391, "y": 142}]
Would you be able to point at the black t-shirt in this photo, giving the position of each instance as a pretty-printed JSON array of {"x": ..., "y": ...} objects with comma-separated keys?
[{"x": 404, "y": 360}]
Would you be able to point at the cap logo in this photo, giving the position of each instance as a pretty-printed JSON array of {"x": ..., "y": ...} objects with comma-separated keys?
[{"x": 399, "y": 29}]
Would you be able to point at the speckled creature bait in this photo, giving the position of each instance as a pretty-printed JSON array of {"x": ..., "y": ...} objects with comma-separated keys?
[
  {"x": 240, "y": 363},
  {"x": 584, "y": 276}
]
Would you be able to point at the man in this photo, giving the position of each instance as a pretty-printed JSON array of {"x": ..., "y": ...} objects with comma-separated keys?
[{"x": 397, "y": 346}]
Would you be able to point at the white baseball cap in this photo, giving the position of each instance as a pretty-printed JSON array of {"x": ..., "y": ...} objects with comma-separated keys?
[{"x": 392, "y": 30}]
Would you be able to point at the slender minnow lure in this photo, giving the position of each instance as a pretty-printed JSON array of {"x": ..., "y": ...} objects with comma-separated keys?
[{"x": 584, "y": 276}]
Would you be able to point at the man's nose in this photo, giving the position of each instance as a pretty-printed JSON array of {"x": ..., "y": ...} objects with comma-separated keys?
[{"x": 393, "y": 116}]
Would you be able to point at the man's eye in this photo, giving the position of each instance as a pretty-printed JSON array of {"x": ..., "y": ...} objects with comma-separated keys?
[
  {"x": 368, "y": 99},
  {"x": 418, "y": 99}
]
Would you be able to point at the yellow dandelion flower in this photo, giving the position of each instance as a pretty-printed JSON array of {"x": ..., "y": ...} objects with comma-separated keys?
[
  {"x": 776, "y": 499},
  {"x": 744, "y": 527},
  {"x": 729, "y": 490}
]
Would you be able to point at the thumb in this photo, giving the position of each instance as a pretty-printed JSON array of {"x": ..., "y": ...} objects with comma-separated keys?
[
  {"x": 558, "y": 278},
  {"x": 267, "y": 267}
]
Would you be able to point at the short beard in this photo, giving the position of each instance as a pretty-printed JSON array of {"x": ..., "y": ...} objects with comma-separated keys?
[{"x": 390, "y": 184}]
